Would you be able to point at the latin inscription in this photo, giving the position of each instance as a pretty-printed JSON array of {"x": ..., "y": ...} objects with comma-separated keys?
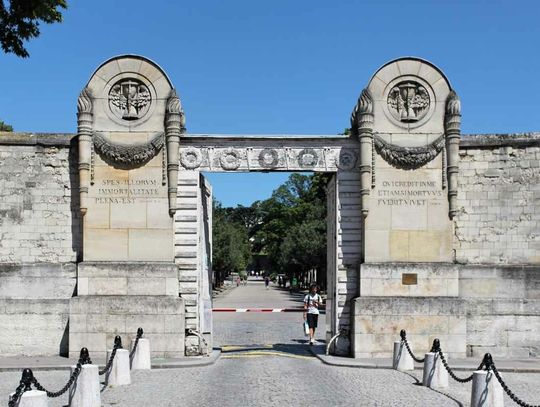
[
  {"x": 408, "y": 193},
  {"x": 126, "y": 191}
]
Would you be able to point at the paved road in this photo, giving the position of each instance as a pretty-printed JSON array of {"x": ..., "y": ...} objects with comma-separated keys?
[
  {"x": 261, "y": 328},
  {"x": 279, "y": 372}
]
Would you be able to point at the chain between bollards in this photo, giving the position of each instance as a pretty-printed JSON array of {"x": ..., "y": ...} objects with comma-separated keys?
[
  {"x": 139, "y": 336},
  {"x": 403, "y": 335},
  {"x": 84, "y": 358},
  {"x": 490, "y": 365},
  {"x": 436, "y": 348},
  {"x": 25, "y": 384},
  {"x": 117, "y": 345}
]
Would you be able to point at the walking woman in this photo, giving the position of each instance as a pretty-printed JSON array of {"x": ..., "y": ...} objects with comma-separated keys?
[{"x": 312, "y": 302}]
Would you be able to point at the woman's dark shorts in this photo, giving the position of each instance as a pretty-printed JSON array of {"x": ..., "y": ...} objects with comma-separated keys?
[{"x": 312, "y": 320}]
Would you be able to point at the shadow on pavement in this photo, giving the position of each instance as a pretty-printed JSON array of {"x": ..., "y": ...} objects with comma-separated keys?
[{"x": 299, "y": 349}]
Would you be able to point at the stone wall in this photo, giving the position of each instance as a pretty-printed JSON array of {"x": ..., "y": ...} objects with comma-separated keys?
[
  {"x": 40, "y": 241},
  {"x": 499, "y": 200},
  {"x": 503, "y": 310},
  {"x": 39, "y": 205},
  {"x": 498, "y": 224}
]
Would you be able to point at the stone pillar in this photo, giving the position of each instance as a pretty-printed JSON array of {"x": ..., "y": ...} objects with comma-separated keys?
[
  {"x": 33, "y": 398},
  {"x": 86, "y": 390},
  {"x": 84, "y": 132},
  {"x": 408, "y": 185},
  {"x": 453, "y": 136},
  {"x": 486, "y": 390},
  {"x": 120, "y": 373},
  {"x": 362, "y": 124},
  {"x": 435, "y": 375},
  {"x": 402, "y": 361},
  {"x": 174, "y": 126},
  {"x": 141, "y": 359},
  {"x": 130, "y": 121}
]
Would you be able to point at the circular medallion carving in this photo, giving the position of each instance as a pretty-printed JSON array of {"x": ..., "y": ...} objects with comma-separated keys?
[
  {"x": 410, "y": 101},
  {"x": 307, "y": 158},
  {"x": 230, "y": 159},
  {"x": 268, "y": 158},
  {"x": 191, "y": 158},
  {"x": 129, "y": 99},
  {"x": 347, "y": 159}
]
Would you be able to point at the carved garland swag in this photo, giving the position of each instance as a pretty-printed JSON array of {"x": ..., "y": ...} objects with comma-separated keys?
[
  {"x": 408, "y": 158},
  {"x": 127, "y": 156}
]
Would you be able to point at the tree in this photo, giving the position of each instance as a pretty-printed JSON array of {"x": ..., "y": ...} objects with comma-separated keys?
[
  {"x": 20, "y": 20},
  {"x": 292, "y": 227},
  {"x": 5, "y": 126},
  {"x": 231, "y": 251}
]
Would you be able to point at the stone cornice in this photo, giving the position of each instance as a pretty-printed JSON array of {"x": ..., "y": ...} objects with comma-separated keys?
[{"x": 467, "y": 140}]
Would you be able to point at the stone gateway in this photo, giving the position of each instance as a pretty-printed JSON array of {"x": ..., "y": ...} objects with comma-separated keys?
[{"x": 428, "y": 230}]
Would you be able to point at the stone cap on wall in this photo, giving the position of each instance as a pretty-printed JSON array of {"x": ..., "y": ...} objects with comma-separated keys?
[{"x": 467, "y": 140}]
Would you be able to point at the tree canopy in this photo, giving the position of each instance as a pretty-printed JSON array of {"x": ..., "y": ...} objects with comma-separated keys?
[
  {"x": 20, "y": 19},
  {"x": 5, "y": 126},
  {"x": 288, "y": 229}
]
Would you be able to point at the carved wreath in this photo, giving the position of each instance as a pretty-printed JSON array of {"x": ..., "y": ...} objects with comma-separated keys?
[
  {"x": 127, "y": 155},
  {"x": 346, "y": 160},
  {"x": 408, "y": 158},
  {"x": 230, "y": 159},
  {"x": 268, "y": 158},
  {"x": 191, "y": 158},
  {"x": 308, "y": 158}
]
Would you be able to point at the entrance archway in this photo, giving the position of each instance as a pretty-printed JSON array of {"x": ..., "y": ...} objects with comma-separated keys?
[{"x": 336, "y": 155}]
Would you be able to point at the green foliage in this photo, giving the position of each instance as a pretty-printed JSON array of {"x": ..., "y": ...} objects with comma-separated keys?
[
  {"x": 288, "y": 229},
  {"x": 5, "y": 126},
  {"x": 231, "y": 249},
  {"x": 20, "y": 20},
  {"x": 292, "y": 225}
]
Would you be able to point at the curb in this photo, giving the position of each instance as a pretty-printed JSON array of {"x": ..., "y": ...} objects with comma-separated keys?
[
  {"x": 194, "y": 361},
  {"x": 383, "y": 364}
]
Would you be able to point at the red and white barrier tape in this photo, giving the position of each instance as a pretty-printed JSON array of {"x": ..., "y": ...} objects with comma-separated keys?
[{"x": 258, "y": 310}]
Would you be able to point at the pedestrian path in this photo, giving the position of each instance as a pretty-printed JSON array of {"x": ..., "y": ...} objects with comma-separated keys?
[{"x": 277, "y": 332}]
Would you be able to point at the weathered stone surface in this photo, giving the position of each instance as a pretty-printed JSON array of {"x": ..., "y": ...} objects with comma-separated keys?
[
  {"x": 497, "y": 221},
  {"x": 37, "y": 280},
  {"x": 386, "y": 279},
  {"x": 116, "y": 278},
  {"x": 378, "y": 321},
  {"x": 96, "y": 320},
  {"x": 33, "y": 327},
  {"x": 39, "y": 220}
]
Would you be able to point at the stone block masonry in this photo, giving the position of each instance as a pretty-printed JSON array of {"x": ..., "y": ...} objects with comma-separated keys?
[
  {"x": 39, "y": 216},
  {"x": 497, "y": 230},
  {"x": 498, "y": 221}
]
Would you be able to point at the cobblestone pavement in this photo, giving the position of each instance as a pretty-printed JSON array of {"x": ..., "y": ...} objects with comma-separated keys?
[{"x": 274, "y": 369}]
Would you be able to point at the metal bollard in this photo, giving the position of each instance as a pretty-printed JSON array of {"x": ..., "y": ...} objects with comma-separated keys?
[
  {"x": 86, "y": 390},
  {"x": 486, "y": 390},
  {"x": 33, "y": 398},
  {"x": 141, "y": 357},
  {"x": 401, "y": 360},
  {"x": 435, "y": 375},
  {"x": 119, "y": 374}
]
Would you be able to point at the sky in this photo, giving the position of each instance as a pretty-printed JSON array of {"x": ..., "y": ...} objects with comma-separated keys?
[{"x": 282, "y": 66}]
